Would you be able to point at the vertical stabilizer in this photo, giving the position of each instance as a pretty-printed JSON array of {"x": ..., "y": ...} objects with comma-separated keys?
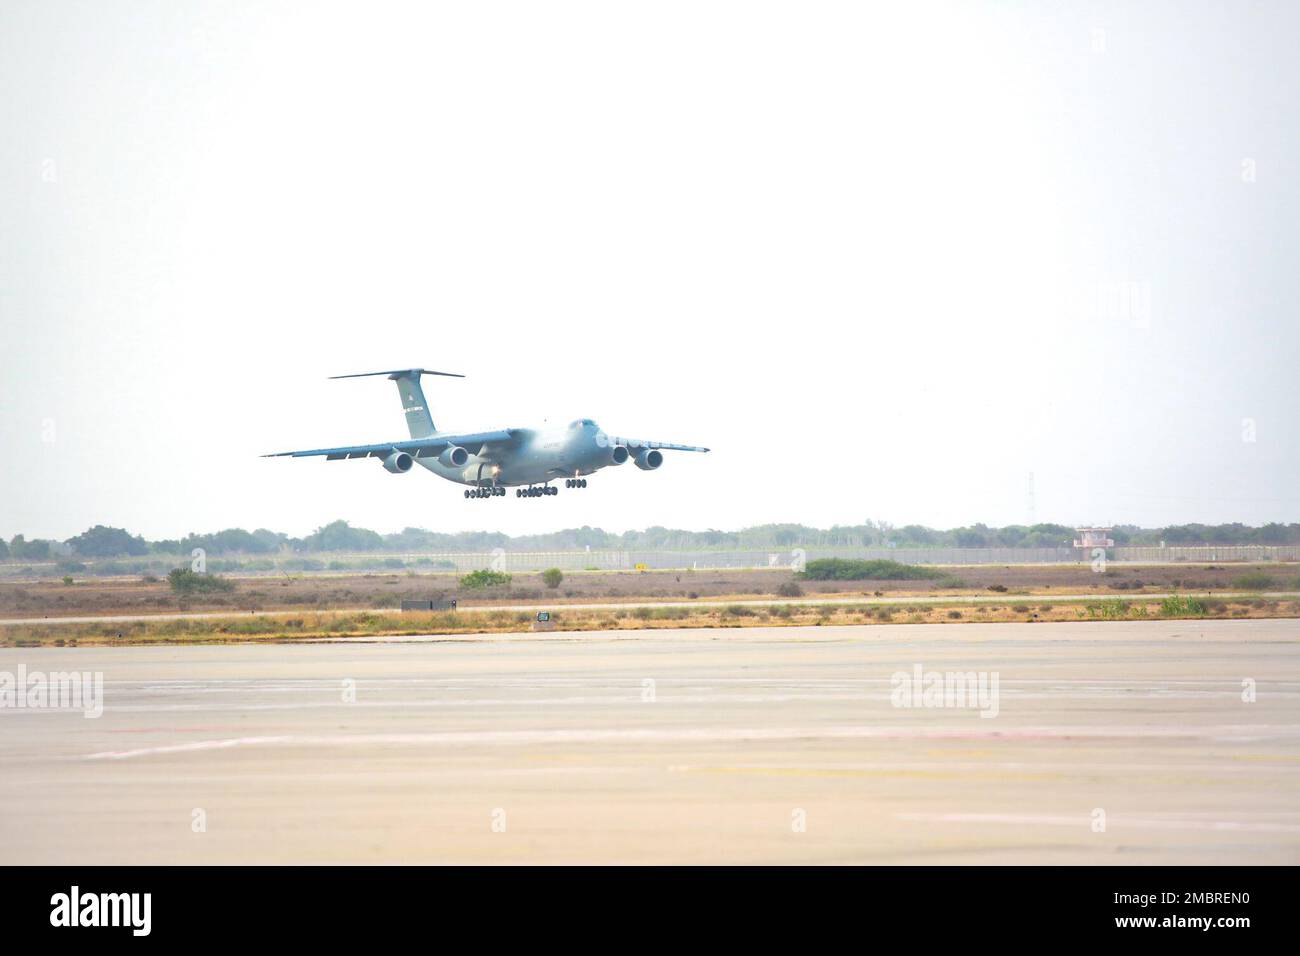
[{"x": 419, "y": 420}]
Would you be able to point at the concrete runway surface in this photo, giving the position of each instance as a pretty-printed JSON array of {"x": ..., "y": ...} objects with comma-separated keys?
[{"x": 1113, "y": 743}]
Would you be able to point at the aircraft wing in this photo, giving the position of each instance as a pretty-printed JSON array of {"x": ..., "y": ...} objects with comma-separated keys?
[
  {"x": 641, "y": 443},
  {"x": 415, "y": 447}
]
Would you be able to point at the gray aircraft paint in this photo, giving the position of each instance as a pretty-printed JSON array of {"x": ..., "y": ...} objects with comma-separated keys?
[{"x": 508, "y": 457}]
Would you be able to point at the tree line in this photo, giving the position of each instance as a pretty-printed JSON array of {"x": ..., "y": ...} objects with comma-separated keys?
[{"x": 105, "y": 542}]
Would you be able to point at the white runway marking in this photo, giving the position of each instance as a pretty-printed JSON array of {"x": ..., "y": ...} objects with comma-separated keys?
[
  {"x": 1112, "y": 820},
  {"x": 636, "y": 735}
]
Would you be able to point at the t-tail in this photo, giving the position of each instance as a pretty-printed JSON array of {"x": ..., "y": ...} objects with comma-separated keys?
[{"x": 418, "y": 418}]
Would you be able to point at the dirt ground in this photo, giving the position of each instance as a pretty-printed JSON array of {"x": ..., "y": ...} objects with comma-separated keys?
[{"x": 320, "y": 592}]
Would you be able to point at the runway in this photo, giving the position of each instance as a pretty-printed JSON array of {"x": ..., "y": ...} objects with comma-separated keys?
[{"x": 1172, "y": 742}]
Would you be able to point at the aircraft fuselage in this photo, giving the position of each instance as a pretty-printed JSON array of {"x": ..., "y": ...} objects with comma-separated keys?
[{"x": 539, "y": 456}]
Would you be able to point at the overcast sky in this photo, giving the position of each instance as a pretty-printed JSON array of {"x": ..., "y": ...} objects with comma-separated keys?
[{"x": 886, "y": 261}]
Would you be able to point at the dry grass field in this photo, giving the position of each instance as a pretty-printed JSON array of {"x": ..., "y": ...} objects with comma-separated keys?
[
  {"x": 308, "y": 592},
  {"x": 296, "y": 626}
]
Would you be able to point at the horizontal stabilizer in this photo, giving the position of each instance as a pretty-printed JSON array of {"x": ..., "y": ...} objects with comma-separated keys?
[{"x": 401, "y": 373}]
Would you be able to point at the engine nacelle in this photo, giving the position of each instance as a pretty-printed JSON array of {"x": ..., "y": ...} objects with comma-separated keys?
[
  {"x": 648, "y": 459},
  {"x": 453, "y": 456},
  {"x": 618, "y": 454},
  {"x": 399, "y": 462}
]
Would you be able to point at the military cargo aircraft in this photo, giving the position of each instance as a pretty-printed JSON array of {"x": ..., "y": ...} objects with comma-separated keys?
[{"x": 490, "y": 462}]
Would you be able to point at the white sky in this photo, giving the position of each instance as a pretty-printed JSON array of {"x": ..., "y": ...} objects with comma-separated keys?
[{"x": 885, "y": 261}]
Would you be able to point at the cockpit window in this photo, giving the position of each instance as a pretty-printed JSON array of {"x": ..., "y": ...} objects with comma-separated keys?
[{"x": 582, "y": 423}]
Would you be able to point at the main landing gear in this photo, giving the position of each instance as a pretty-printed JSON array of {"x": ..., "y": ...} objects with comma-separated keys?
[
  {"x": 575, "y": 482},
  {"x": 487, "y": 491},
  {"x": 536, "y": 491}
]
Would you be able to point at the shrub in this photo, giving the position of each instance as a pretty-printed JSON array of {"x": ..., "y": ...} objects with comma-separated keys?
[
  {"x": 185, "y": 582},
  {"x": 847, "y": 569},
  {"x": 954, "y": 615},
  {"x": 1112, "y": 610},
  {"x": 671, "y": 613},
  {"x": 1178, "y": 605},
  {"x": 1253, "y": 581},
  {"x": 999, "y": 588},
  {"x": 303, "y": 564},
  {"x": 484, "y": 578},
  {"x": 738, "y": 610},
  {"x": 552, "y": 577},
  {"x": 789, "y": 589}
]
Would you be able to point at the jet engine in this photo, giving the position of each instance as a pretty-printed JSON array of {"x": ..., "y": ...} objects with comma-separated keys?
[
  {"x": 648, "y": 459},
  {"x": 453, "y": 456},
  {"x": 618, "y": 454},
  {"x": 399, "y": 462}
]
